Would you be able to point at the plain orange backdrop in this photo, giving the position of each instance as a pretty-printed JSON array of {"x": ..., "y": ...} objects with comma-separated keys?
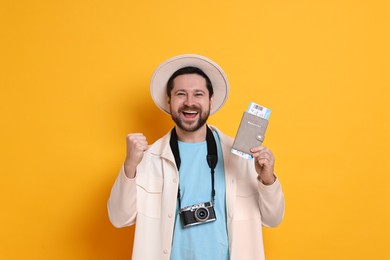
[{"x": 74, "y": 80}]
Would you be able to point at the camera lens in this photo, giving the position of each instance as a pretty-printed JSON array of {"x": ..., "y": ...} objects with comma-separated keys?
[{"x": 201, "y": 214}]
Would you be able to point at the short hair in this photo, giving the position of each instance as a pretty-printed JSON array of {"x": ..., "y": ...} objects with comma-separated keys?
[{"x": 189, "y": 70}]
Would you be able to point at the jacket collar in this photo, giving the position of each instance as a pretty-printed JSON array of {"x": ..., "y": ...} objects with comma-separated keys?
[{"x": 162, "y": 148}]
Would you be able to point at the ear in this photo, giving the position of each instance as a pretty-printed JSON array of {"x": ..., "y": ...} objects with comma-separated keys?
[
  {"x": 211, "y": 101},
  {"x": 169, "y": 104}
]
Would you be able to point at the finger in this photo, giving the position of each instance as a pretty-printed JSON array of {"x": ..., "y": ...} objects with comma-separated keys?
[
  {"x": 264, "y": 161},
  {"x": 258, "y": 149},
  {"x": 136, "y": 136},
  {"x": 265, "y": 158},
  {"x": 263, "y": 154},
  {"x": 140, "y": 145}
]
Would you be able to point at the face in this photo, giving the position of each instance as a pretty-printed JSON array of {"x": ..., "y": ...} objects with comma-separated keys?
[{"x": 190, "y": 102}]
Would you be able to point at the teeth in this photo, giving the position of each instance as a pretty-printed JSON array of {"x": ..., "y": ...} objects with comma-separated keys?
[{"x": 190, "y": 112}]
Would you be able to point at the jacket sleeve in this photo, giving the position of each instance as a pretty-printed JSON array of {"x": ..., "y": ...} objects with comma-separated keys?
[
  {"x": 271, "y": 202},
  {"x": 122, "y": 204}
]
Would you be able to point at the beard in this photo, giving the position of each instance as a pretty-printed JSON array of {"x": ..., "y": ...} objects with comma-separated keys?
[{"x": 196, "y": 125}]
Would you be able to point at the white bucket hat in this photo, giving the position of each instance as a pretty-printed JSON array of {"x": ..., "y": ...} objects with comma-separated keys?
[{"x": 219, "y": 81}]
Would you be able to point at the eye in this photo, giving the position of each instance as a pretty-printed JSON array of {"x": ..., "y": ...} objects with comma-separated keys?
[
  {"x": 199, "y": 94},
  {"x": 180, "y": 93}
]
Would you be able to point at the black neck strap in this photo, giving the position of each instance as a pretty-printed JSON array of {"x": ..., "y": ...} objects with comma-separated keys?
[{"x": 212, "y": 157}]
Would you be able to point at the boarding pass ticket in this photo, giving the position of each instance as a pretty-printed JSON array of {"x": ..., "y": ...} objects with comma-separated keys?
[{"x": 259, "y": 111}]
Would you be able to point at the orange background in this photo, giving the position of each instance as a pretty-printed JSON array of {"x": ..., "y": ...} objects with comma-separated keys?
[{"x": 74, "y": 78}]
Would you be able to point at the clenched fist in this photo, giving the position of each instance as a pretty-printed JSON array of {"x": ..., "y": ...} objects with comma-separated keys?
[{"x": 136, "y": 145}]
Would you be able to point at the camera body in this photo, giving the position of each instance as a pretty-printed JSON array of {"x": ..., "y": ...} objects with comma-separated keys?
[{"x": 197, "y": 214}]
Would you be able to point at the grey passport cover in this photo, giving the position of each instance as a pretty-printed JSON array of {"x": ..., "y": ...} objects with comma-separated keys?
[{"x": 250, "y": 133}]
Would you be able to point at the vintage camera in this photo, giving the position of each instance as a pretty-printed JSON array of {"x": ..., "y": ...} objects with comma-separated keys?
[{"x": 197, "y": 214}]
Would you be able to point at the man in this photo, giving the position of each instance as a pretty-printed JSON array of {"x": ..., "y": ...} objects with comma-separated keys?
[{"x": 188, "y": 195}]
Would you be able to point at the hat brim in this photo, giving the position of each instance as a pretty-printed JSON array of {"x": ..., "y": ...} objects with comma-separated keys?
[{"x": 161, "y": 75}]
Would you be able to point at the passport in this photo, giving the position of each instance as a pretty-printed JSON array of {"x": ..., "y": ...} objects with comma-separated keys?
[{"x": 251, "y": 131}]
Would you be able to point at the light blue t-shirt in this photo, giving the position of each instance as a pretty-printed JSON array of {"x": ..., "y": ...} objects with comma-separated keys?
[{"x": 207, "y": 241}]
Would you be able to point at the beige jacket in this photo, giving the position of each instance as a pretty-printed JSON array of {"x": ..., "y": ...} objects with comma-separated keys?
[{"x": 149, "y": 201}]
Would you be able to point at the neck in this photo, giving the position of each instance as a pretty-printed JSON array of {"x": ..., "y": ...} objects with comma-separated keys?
[{"x": 192, "y": 137}]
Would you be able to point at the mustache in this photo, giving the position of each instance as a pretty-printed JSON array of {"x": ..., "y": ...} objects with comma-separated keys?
[{"x": 193, "y": 108}]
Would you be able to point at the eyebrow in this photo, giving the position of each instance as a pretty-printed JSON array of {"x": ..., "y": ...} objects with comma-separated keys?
[{"x": 195, "y": 90}]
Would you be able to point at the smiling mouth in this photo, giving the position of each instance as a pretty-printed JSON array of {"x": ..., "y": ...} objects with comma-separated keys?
[{"x": 190, "y": 114}]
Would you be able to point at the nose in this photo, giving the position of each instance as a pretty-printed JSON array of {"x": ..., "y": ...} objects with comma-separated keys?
[{"x": 189, "y": 100}]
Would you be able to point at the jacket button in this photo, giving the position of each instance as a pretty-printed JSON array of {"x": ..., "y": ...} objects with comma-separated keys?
[
  {"x": 169, "y": 215},
  {"x": 165, "y": 251}
]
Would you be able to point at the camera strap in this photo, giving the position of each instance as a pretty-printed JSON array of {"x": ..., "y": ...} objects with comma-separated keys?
[{"x": 212, "y": 157}]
